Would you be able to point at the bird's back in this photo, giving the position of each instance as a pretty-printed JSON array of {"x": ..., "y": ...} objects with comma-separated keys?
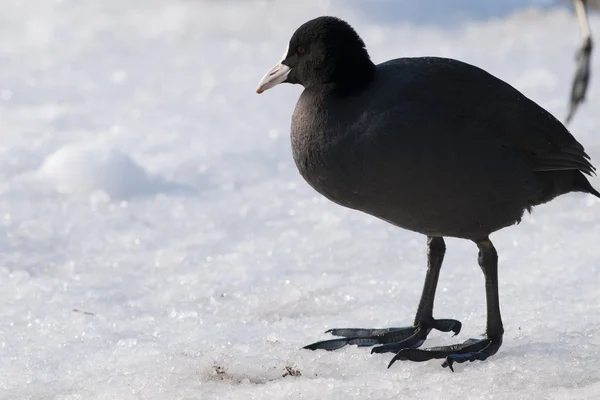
[{"x": 436, "y": 146}]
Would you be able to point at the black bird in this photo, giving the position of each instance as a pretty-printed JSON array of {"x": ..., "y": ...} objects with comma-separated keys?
[{"x": 428, "y": 144}]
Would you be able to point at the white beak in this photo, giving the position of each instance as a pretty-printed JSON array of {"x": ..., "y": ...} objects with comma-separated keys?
[{"x": 275, "y": 76}]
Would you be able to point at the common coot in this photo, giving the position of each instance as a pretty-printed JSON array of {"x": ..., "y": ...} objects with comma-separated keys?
[{"x": 432, "y": 145}]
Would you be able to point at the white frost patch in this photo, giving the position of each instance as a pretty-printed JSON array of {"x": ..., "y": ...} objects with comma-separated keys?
[{"x": 89, "y": 168}]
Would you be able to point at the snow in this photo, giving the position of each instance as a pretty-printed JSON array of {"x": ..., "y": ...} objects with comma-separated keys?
[
  {"x": 91, "y": 168},
  {"x": 160, "y": 244}
]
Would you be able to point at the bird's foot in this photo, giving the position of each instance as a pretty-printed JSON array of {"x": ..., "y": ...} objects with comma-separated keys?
[
  {"x": 391, "y": 339},
  {"x": 471, "y": 350}
]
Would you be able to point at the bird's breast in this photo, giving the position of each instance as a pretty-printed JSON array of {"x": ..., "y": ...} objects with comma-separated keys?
[{"x": 332, "y": 167}]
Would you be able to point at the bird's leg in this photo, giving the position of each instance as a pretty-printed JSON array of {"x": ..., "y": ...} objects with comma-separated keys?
[
  {"x": 424, "y": 322},
  {"x": 395, "y": 339},
  {"x": 472, "y": 349},
  {"x": 582, "y": 74}
]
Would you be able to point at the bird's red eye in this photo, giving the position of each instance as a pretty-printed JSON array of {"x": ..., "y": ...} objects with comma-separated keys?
[{"x": 301, "y": 50}]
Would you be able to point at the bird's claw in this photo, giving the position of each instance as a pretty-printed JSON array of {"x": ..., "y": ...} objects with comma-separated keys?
[
  {"x": 390, "y": 339},
  {"x": 470, "y": 350}
]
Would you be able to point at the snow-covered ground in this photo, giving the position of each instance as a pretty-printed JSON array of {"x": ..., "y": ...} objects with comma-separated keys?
[{"x": 158, "y": 242}]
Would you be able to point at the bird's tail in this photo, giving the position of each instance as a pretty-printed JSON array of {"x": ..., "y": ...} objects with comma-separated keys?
[{"x": 583, "y": 185}]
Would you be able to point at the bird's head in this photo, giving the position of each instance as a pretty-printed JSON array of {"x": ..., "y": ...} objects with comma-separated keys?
[{"x": 323, "y": 50}]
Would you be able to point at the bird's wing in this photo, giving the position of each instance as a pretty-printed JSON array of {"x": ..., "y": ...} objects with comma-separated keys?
[
  {"x": 539, "y": 137},
  {"x": 519, "y": 122}
]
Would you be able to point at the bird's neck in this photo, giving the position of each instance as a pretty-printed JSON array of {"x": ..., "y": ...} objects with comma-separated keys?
[{"x": 354, "y": 76}]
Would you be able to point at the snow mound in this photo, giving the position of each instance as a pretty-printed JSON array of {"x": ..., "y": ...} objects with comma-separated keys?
[{"x": 87, "y": 169}]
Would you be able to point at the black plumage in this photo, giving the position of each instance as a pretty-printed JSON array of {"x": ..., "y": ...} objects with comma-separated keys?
[{"x": 433, "y": 145}]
